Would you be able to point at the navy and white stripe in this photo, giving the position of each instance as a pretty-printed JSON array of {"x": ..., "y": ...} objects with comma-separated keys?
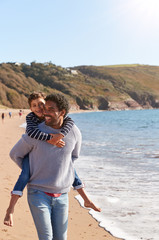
[
  {"x": 32, "y": 128},
  {"x": 33, "y": 131},
  {"x": 67, "y": 125}
]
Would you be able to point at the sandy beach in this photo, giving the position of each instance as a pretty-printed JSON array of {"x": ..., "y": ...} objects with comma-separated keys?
[{"x": 81, "y": 224}]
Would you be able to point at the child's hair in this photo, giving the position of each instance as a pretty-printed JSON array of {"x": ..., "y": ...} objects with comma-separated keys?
[{"x": 35, "y": 95}]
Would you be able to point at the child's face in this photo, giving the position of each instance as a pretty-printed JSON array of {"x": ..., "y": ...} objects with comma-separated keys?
[{"x": 37, "y": 106}]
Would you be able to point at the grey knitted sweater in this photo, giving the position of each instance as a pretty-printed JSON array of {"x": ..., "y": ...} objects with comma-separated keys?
[{"x": 51, "y": 168}]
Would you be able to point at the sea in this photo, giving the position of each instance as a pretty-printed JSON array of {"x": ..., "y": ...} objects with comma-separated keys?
[{"x": 119, "y": 165}]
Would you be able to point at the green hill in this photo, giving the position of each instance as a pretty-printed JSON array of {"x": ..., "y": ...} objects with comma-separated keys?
[{"x": 87, "y": 87}]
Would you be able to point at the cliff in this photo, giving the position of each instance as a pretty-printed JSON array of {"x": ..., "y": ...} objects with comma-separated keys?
[{"x": 87, "y": 87}]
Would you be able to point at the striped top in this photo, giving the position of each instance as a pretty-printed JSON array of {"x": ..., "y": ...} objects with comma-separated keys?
[{"x": 34, "y": 132}]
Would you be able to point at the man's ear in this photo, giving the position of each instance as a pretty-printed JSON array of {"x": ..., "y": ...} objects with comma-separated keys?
[{"x": 63, "y": 112}]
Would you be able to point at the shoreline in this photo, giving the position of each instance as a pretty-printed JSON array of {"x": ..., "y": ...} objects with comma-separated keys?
[
  {"x": 81, "y": 224},
  {"x": 15, "y": 111},
  {"x": 26, "y": 111}
]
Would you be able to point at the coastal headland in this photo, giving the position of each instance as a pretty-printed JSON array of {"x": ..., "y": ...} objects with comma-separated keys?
[{"x": 117, "y": 87}]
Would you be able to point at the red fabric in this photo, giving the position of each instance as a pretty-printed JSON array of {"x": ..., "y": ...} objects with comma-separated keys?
[{"x": 54, "y": 194}]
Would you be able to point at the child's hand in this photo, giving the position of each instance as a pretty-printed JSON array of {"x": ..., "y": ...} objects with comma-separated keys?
[
  {"x": 56, "y": 138},
  {"x": 61, "y": 144}
]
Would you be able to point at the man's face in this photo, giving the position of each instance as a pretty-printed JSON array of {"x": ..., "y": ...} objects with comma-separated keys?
[
  {"x": 37, "y": 106},
  {"x": 53, "y": 117}
]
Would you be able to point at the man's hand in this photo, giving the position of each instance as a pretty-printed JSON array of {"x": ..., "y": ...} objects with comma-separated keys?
[{"x": 57, "y": 140}]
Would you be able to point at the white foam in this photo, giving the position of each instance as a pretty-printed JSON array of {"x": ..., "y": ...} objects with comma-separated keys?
[
  {"x": 23, "y": 125},
  {"x": 126, "y": 196},
  {"x": 112, "y": 199}
]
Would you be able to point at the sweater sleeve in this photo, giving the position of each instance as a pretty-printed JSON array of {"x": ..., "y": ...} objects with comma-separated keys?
[
  {"x": 77, "y": 148},
  {"x": 67, "y": 125},
  {"x": 20, "y": 149},
  {"x": 32, "y": 128}
]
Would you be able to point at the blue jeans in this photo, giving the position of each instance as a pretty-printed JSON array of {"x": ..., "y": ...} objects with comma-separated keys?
[
  {"x": 23, "y": 177},
  {"x": 50, "y": 214}
]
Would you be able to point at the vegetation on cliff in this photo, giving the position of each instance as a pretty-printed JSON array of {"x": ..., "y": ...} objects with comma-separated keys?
[{"x": 87, "y": 87}]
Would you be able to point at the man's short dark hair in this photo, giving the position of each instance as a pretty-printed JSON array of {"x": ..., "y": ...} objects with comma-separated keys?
[
  {"x": 60, "y": 100},
  {"x": 35, "y": 95}
]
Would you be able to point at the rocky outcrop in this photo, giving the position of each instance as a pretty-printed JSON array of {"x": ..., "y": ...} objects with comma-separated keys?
[
  {"x": 103, "y": 103},
  {"x": 145, "y": 100},
  {"x": 132, "y": 104},
  {"x": 84, "y": 103},
  {"x": 124, "y": 105}
]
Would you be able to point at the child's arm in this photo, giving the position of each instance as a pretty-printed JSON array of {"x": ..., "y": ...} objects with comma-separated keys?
[
  {"x": 32, "y": 128},
  {"x": 34, "y": 132},
  {"x": 66, "y": 127}
]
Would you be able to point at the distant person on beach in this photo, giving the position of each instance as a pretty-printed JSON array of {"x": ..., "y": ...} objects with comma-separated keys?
[
  {"x": 36, "y": 102},
  {"x": 2, "y": 117},
  {"x": 20, "y": 113},
  {"x": 10, "y": 114}
]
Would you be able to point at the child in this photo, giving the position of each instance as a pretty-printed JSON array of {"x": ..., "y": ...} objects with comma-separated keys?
[{"x": 36, "y": 102}]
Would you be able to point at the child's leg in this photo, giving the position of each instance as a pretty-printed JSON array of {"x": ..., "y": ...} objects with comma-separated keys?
[
  {"x": 23, "y": 177},
  {"x": 87, "y": 202},
  {"x": 79, "y": 186},
  {"x": 77, "y": 182},
  {"x": 8, "y": 220},
  {"x": 17, "y": 191}
]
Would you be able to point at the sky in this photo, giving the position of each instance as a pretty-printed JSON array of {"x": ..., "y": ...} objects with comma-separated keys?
[{"x": 70, "y": 33}]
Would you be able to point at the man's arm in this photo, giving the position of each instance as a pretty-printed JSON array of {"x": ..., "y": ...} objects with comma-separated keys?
[{"x": 20, "y": 149}]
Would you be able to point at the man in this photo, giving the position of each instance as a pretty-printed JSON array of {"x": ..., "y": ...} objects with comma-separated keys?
[{"x": 51, "y": 169}]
